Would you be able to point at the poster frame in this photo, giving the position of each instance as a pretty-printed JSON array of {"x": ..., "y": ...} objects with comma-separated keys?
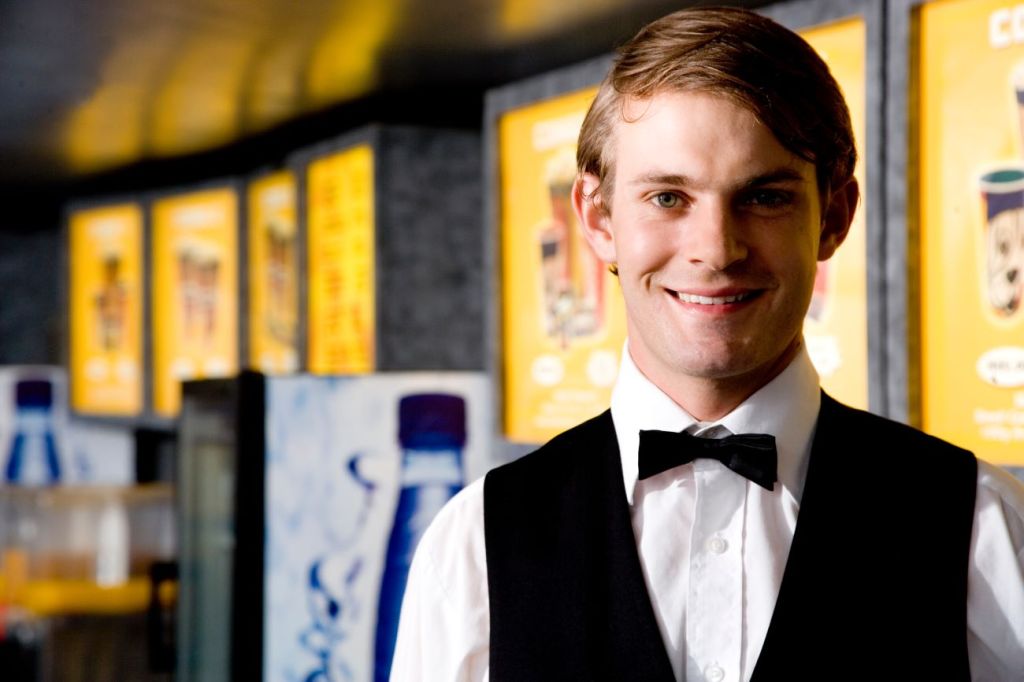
[
  {"x": 797, "y": 15},
  {"x": 298, "y": 163},
  {"x": 498, "y": 102},
  {"x": 64, "y": 297},
  {"x": 903, "y": 343},
  {"x": 237, "y": 187},
  {"x": 247, "y": 182},
  {"x": 904, "y": 207},
  {"x": 427, "y": 244},
  {"x": 883, "y": 366}
]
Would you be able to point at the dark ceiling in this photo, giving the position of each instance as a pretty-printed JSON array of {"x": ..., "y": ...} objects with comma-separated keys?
[{"x": 109, "y": 95}]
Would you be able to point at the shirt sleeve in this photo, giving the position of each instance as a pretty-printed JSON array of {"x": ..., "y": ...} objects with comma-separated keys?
[
  {"x": 444, "y": 629},
  {"x": 995, "y": 589}
]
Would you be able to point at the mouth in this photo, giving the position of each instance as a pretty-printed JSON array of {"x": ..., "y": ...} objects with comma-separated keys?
[
  {"x": 713, "y": 300},
  {"x": 720, "y": 300}
]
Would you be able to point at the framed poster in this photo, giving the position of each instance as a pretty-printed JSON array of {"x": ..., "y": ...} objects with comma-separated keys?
[
  {"x": 836, "y": 326},
  {"x": 970, "y": 110},
  {"x": 273, "y": 268},
  {"x": 563, "y": 322},
  {"x": 558, "y": 360},
  {"x": 106, "y": 309},
  {"x": 340, "y": 239},
  {"x": 195, "y": 290}
]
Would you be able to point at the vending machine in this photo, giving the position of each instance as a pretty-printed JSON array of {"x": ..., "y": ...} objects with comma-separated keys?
[{"x": 302, "y": 499}]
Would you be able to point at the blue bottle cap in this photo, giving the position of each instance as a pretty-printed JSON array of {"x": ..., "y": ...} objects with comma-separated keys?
[
  {"x": 432, "y": 420},
  {"x": 33, "y": 393}
]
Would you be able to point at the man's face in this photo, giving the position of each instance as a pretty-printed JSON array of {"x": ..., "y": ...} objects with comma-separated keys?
[{"x": 716, "y": 230}]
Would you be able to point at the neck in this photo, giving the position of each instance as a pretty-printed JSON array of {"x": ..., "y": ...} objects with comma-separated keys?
[{"x": 708, "y": 399}]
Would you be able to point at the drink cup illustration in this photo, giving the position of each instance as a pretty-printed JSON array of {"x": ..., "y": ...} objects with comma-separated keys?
[
  {"x": 207, "y": 275},
  {"x": 554, "y": 268},
  {"x": 111, "y": 303},
  {"x": 1002, "y": 191},
  {"x": 572, "y": 276},
  {"x": 1017, "y": 79},
  {"x": 187, "y": 290},
  {"x": 280, "y": 279}
]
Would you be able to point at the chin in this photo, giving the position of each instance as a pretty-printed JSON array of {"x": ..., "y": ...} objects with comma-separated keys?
[
  {"x": 732, "y": 363},
  {"x": 716, "y": 368}
]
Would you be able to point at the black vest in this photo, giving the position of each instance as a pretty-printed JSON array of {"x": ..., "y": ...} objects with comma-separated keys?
[{"x": 875, "y": 585}]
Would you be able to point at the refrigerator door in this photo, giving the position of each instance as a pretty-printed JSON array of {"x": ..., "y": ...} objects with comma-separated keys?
[{"x": 207, "y": 480}]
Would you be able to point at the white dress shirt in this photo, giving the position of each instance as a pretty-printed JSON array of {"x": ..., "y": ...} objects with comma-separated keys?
[{"x": 714, "y": 588}]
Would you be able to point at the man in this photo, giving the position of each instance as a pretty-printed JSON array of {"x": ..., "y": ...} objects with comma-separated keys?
[{"x": 795, "y": 538}]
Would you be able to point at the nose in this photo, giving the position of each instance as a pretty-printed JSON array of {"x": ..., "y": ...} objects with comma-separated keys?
[{"x": 714, "y": 236}]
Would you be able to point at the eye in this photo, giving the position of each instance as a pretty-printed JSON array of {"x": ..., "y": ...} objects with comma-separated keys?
[
  {"x": 770, "y": 198},
  {"x": 666, "y": 200}
]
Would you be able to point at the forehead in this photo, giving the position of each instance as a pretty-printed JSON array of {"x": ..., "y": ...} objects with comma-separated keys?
[{"x": 696, "y": 132}]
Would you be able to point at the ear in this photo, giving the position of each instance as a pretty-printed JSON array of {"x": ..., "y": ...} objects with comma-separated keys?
[
  {"x": 838, "y": 216},
  {"x": 593, "y": 216}
]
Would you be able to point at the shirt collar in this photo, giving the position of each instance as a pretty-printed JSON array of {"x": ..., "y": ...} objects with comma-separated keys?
[{"x": 786, "y": 407}]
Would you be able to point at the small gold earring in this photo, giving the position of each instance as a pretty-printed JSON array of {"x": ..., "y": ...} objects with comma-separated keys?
[{"x": 614, "y": 269}]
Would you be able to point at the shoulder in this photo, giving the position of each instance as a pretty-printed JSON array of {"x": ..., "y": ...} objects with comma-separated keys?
[
  {"x": 451, "y": 551},
  {"x": 1004, "y": 493},
  {"x": 559, "y": 478},
  {"x": 557, "y": 458},
  {"x": 444, "y": 627},
  {"x": 902, "y": 463},
  {"x": 459, "y": 518},
  {"x": 995, "y": 590},
  {"x": 865, "y": 428}
]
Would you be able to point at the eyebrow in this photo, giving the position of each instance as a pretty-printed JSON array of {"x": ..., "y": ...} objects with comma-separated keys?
[{"x": 777, "y": 175}]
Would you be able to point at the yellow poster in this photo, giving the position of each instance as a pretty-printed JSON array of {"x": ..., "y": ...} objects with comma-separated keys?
[
  {"x": 563, "y": 320},
  {"x": 836, "y": 326},
  {"x": 341, "y": 244},
  {"x": 106, "y": 309},
  {"x": 971, "y": 169},
  {"x": 273, "y": 274},
  {"x": 195, "y": 291}
]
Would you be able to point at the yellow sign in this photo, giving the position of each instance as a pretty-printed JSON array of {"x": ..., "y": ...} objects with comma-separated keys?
[
  {"x": 340, "y": 240},
  {"x": 971, "y": 111},
  {"x": 195, "y": 291},
  {"x": 106, "y": 309},
  {"x": 836, "y": 326},
  {"x": 563, "y": 319},
  {"x": 273, "y": 274}
]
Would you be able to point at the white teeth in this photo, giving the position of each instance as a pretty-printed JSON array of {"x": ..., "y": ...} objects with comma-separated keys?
[{"x": 710, "y": 300}]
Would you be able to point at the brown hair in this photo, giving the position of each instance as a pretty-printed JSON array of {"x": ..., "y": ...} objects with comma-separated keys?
[{"x": 738, "y": 54}]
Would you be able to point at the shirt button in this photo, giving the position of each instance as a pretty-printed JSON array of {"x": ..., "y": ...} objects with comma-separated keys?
[
  {"x": 717, "y": 545},
  {"x": 714, "y": 674}
]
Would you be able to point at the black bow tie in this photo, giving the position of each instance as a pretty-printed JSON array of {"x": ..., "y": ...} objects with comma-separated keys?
[{"x": 751, "y": 455}]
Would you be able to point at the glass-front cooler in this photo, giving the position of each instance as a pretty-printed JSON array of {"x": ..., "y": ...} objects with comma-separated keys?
[{"x": 302, "y": 499}]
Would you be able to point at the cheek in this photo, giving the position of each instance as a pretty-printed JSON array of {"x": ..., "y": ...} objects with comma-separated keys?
[
  {"x": 785, "y": 248},
  {"x": 643, "y": 243},
  {"x": 796, "y": 269}
]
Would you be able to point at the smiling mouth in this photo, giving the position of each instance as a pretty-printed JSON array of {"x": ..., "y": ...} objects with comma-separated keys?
[{"x": 714, "y": 300}]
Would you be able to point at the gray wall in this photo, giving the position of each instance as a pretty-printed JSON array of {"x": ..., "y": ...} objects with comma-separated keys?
[{"x": 30, "y": 308}]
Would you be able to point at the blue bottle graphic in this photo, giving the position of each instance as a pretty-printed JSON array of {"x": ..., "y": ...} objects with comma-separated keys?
[
  {"x": 33, "y": 458},
  {"x": 432, "y": 432}
]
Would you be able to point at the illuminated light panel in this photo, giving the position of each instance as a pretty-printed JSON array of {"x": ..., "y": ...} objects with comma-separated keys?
[{"x": 344, "y": 62}]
